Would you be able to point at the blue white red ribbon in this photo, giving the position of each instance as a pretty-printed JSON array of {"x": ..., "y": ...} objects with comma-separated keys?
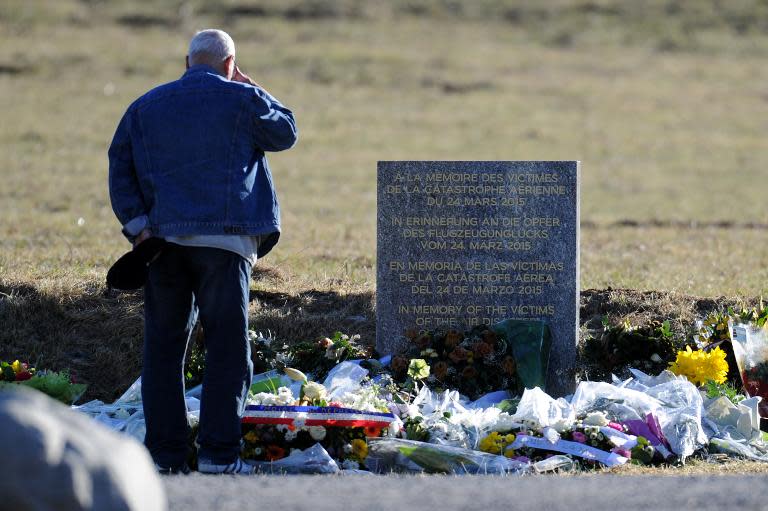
[{"x": 328, "y": 416}]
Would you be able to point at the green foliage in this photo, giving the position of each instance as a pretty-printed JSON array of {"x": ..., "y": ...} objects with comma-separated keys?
[
  {"x": 320, "y": 356},
  {"x": 6, "y": 372},
  {"x": 727, "y": 389},
  {"x": 756, "y": 315},
  {"x": 415, "y": 429},
  {"x": 314, "y": 357},
  {"x": 435, "y": 461},
  {"x": 195, "y": 366},
  {"x": 57, "y": 385},
  {"x": 649, "y": 348}
]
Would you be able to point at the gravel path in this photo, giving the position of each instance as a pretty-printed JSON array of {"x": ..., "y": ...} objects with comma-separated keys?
[{"x": 476, "y": 493}]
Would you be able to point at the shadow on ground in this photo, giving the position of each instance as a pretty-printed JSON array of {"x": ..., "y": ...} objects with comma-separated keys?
[{"x": 98, "y": 333}]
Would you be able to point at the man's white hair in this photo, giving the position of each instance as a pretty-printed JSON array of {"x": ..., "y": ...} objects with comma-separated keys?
[{"x": 210, "y": 46}]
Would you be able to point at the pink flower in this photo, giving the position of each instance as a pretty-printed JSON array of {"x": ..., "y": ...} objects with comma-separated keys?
[
  {"x": 580, "y": 437},
  {"x": 616, "y": 426},
  {"x": 335, "y": 404},
  {"x": 622, "y": 452}
]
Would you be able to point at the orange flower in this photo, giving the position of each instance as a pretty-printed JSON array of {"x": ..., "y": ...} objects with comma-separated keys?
[
  {"x": 509, "y": 366},
  {"x": 440, "y": 370},
  {"x": 399, "y": 364},
  {"x": 458, "y": 355},
  {"x": 423, "y": 341},
  {"x": 372, "y": 431},
  {"x": 452, "y": 339},
  {"x": 490, "y": 337},
  {"x": 469, "y": 373},
  {"x": 275, "y": 453},
  {"x": 483, "y": 349}
]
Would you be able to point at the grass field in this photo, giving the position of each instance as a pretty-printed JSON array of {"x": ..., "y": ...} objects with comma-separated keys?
[{"x": 664, "y": 103}]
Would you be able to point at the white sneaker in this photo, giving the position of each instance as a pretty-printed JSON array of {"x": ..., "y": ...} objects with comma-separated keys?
[{"x": 238, "y": 467}]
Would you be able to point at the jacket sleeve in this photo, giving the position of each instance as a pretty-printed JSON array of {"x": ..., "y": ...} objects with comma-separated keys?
[
  {"x": 275, "y": 127},
  {"x": 124, "y": 189}
]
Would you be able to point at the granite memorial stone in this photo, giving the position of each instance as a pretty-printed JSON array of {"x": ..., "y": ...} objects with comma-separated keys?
[{"x": 461, "y": 244}]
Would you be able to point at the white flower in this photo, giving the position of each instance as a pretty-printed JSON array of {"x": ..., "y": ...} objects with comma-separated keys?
[
  {"x": 331, "y": 352},
  {"x": 347, "y": 448},
  {"x": 365, "y": 398},
  {"x": 283, "y": 397},
  {"x": 350, "y": 465},
  {"x": 290, "y": 436},
  {"x": 596, "y": 419},
  {"x": 562, "y": 426},
  {"x": 504, "y": 422},
  {"x": 317, "y": 433},
  {"x": 314, "y": 390}
]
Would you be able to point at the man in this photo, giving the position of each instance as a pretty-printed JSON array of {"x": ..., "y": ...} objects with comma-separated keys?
[{"x": 187, "y": 164}]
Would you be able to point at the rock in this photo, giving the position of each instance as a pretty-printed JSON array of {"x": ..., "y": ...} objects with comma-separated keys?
[{"x": 53, "y": 458}]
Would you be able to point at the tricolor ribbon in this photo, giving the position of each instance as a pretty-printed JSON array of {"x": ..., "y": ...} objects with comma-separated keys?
[{"x": 316, "y": 416}]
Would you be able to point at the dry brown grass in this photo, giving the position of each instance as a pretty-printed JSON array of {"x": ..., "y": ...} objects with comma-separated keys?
[{"x": 664, "y": 106}]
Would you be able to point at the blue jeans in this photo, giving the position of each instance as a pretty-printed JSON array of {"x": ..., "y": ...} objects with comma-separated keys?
[{"x": 182, "y": 281}]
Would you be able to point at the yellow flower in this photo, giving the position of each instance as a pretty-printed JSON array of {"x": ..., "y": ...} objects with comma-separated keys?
[
  {"x": 359, "y": 449},
  {"x": 495, "y": 443},
  {"x": 491, "y": 443},
  {"x": 16, "y": 366},
  {"x": 251, "y": 437},
  {"x": 700, "y": 367}
]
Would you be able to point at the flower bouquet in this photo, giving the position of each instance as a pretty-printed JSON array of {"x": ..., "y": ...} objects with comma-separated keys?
[
  {"x": 511, "y": 355},
  {"x": 58, "y": 385},
  {"x": 750, "y": 346},
  {"x": 277, "y": 425}
]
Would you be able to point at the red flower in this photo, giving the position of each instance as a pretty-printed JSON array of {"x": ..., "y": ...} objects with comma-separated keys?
[
  {"x": 372, "y": 431},
  {"x": 458, "y": 355},
  {"x": 483, "y": 349},
  {"x": 23, "y": 375},
  {"x": 275, "y": 453}
]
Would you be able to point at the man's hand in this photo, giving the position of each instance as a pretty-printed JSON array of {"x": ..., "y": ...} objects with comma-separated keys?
[
  {"x": 239, "y": 76},
  {"x": 143, "y": 235}
]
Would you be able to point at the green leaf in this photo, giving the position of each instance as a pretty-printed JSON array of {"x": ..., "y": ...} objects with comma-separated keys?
[{"x": 434, "y": 461}]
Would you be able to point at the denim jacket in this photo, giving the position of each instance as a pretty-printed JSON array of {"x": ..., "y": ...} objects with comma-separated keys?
[{"x": 188, "y": 159}]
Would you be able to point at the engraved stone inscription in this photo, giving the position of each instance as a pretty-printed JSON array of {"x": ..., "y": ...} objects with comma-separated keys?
[{"x": 462, "y": 244}]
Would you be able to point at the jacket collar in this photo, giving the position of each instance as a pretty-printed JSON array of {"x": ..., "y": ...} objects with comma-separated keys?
[{"x": 201, "y": 68}]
